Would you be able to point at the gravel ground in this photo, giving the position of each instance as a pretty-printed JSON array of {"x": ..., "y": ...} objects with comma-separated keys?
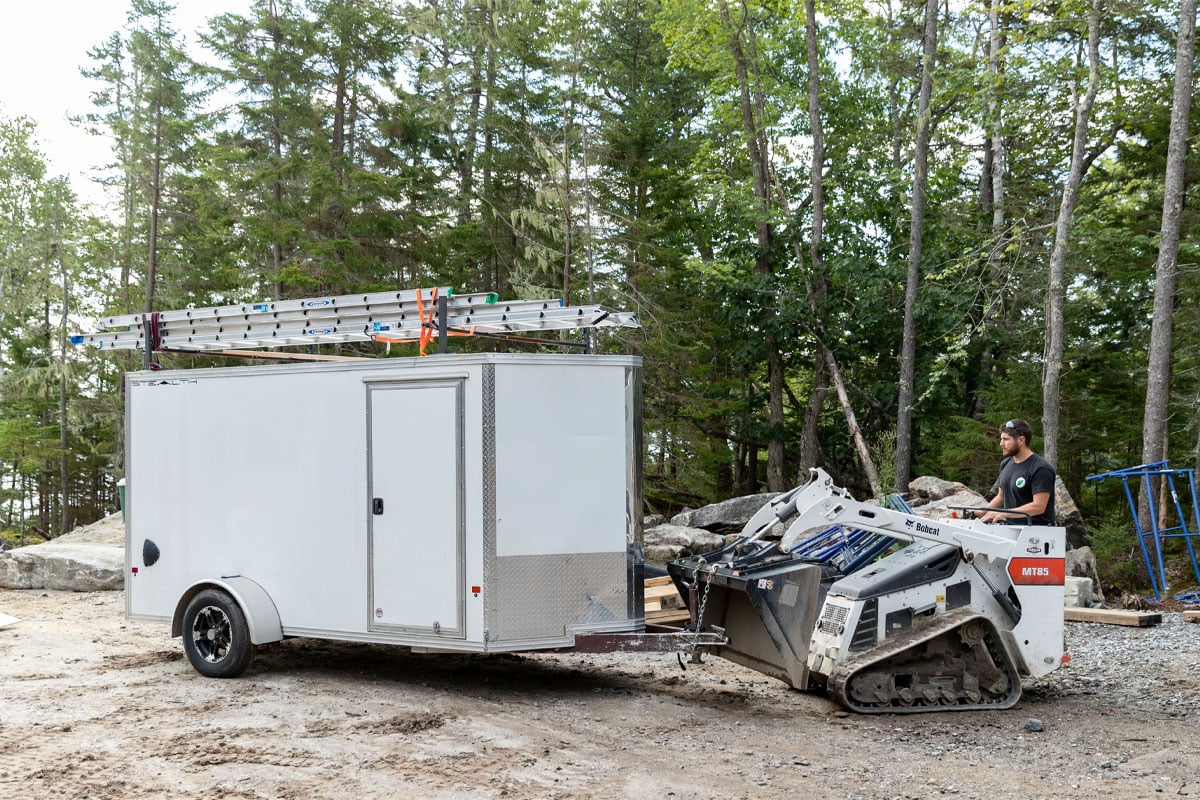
[
  {"x": 95, "y": 706},
  {"x": 1154, "y": 669}
]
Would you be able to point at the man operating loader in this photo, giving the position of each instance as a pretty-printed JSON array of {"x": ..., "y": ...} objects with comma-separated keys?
[{"x": 1026, "y": 479}]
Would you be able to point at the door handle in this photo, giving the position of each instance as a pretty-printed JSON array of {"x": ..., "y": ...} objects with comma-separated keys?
[{"x": 377, "y": 505}]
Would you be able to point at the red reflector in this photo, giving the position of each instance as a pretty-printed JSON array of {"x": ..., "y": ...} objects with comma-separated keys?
[
  {"x": 135, "y": 570},
  {"x": 1038, "y": 571},
  {"x": 475, "y": 590}
]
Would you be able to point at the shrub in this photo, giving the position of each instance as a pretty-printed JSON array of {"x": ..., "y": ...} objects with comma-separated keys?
[{"x": 1118, "y": 557}]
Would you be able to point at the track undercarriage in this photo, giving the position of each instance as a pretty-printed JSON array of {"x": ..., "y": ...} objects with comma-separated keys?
[{"x": 955, "y": 664}]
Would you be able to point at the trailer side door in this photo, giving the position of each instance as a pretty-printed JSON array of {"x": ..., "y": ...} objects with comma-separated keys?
[{"x": 415, "y": 507}]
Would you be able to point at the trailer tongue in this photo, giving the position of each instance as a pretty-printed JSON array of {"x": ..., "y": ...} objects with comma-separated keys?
[{"x": 951, "y": 620}]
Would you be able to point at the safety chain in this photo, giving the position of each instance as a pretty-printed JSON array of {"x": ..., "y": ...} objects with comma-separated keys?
[{"x": 693, "y": 652}]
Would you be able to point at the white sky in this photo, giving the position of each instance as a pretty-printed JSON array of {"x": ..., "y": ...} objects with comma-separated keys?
[{"x": 43, "y": 43}]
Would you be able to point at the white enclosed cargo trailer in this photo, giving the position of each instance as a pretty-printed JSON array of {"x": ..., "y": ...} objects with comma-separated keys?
[{"x": 487, "y": 503}]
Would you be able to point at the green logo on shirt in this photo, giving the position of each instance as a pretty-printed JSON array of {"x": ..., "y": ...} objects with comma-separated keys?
[{"x": 1020, "y": 484}]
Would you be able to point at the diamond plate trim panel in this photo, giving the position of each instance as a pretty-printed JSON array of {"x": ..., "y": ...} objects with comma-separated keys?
[
  {"x": 542, "y": 596},
  {"x": 490, "y": 598}
]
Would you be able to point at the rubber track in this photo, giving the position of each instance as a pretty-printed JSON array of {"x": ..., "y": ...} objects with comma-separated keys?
[{"x": 844, "y": 673}]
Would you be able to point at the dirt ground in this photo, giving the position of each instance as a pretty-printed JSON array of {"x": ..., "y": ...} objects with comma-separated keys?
[{"x": 98, "y": 707}]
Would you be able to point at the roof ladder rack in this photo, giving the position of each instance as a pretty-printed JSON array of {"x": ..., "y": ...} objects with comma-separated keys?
[{"x": 413, "y": 315}]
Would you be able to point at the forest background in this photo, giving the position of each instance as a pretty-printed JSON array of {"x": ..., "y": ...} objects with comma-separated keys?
[{"x": 859, "y": 235}]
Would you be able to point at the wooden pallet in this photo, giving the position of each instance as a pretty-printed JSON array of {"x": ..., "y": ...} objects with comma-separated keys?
[
  {"x": 663, "y": 605},
  {"x": 659, "y": 598},
  {"x": 1112, "y": 616}
]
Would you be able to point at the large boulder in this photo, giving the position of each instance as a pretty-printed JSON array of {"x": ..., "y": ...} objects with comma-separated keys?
[
  {"x": 949, "y": 505},
  {"x": 728, "y": 516},
  {"x": 934, "y": 497},
  {"x": 1081, "y": 563},
  {"x": 110, "y": 530},
  {"x": 928, "y": 487},
  {"x": 1078, "y": 593},
  {"x": 74, "y": 566},
  {"x": 665, "y": 543},
  {"x": 1066, "y": 513}
]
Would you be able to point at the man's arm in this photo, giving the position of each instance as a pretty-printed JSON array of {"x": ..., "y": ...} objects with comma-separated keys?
[
  {"x": 995, "y": 502},
  {"x": 1037, "y": 505},
  {"x": 1032, "y": 508}
]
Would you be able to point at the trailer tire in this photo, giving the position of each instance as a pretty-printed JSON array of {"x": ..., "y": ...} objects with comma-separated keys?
[{"x": 216, "y": 637}]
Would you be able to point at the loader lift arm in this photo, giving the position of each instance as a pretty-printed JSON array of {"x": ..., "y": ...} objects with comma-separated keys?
[{"x": 820, "y": 504}]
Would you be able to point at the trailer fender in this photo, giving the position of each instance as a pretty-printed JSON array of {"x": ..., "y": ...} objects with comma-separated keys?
[{"x": 261, "y": 615}]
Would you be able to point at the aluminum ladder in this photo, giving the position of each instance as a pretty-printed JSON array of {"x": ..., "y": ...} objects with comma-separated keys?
[{"x": 412, "y": 315}]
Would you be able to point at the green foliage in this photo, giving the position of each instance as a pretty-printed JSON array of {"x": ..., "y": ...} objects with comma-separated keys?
[
  {"x": 598, "y": 149},
  {"x": 883, "y": 452},
  {"x": 1118, "y": 558}
]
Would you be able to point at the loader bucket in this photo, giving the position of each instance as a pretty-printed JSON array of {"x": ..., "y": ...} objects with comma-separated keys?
[{"x": 765, "y": 601}]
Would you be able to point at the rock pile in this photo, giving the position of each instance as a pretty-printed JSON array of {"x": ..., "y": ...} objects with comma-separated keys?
[
  {"x": 708, "y": 528},
  {"x": 90, "y": 558},
  {"x": 936, "y": 498},
  {"x": 939, "y": 499},
  {"x": 700, "y": 530}
]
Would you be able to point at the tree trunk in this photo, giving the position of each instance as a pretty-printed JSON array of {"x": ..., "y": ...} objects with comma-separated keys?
[
  {"x": 155, "y": 196},
  {"x": 750, "y": 473},
  {"x": 993, "y": 201},
  {"x": 64, "y": 456},
  {"x": 998, "y": 156},
  {"x": 567, "y": 197},
  {"x": 466, "y": 185},
  {"x": 1158, "y": 372},
  {"x": 860, "y": 444},
  {"x": 817, "y": 286},
  {"x": 756, "y": 147},
  {"x": 812, "y": 415},
  {"x": 1196, "y": 454},
  {"x": 128, "y": 194},
  {"x": 277, "y": 153},
  {"x": 1056, "y": 290},
  {"x": 898, "y": 109},
  {"x": 916, "y": 234},
  {"x": 498, "y": 284}
]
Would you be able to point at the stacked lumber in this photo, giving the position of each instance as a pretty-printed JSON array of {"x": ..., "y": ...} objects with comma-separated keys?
[
  {"x": 1111, "y": 616},
  {"x": 663, "y": 605}
]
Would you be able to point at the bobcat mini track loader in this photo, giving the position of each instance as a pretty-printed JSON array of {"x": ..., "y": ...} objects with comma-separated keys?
[{"x": 951, "y": 621}]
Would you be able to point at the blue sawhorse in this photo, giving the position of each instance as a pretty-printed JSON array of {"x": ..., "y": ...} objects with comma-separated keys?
[{"x": 1152, "y": 540}]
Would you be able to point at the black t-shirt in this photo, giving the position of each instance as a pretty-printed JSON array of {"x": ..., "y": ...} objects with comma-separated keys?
[{"x": 1020, "y": 482}]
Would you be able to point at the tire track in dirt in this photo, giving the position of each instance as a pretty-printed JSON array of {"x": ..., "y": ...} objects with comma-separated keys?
[{"x": 138, "y": 660}]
